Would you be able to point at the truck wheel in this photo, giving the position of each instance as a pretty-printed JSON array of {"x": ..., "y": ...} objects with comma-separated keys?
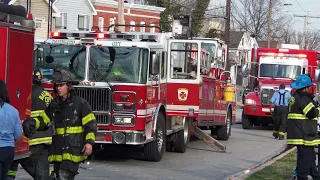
[
  {"x": 246, "y": 122},
  {"x": 183, "y": 137},
  {"x": 153, "y": 151},
  {"x": 224, "y": 132}
]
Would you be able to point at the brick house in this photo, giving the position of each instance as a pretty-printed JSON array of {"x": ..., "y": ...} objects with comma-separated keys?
[{"x": 107, "y": 14}]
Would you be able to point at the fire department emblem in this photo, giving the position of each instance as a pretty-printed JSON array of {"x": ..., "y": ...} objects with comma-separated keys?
[{"x": 183, "y": 94}]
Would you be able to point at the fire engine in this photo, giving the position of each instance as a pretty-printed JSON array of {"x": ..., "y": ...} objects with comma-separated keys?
[
  {"x": 270, "y": 68},
  {"x": 16, "y": 63},
  {"x": 146, "y": 89}
]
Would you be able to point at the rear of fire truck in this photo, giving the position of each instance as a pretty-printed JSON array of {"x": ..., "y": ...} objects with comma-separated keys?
[
  {"x": 271, "y": 67},
  {"x": 16, "y": 63}
]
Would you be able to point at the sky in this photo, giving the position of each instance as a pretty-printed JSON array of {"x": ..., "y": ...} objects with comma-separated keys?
[{"x": 297, "y": 7}]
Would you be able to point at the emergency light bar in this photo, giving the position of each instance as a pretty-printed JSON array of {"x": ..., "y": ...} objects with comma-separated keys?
[
  {"x": 64, "y": 35},
  {"x": 283, "y": 55}
]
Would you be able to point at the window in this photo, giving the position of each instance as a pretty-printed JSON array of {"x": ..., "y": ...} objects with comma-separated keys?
[
  {"x": 132, "y": 28},
  {"x": 83, "y": 22},
  {"x": 279, "y": 71},
  {"x": 142, "y": 29},
  {"x": 111, "y": 21},
  {"x": 152, "y": 30},
  {"x": 101, "y": 23},
  {"x": 204, "y": 61},
  {"x": 38, "y": 22},
  {"x": 61, "y": 22},
  {"x": 184, "y": 60},
  {"x": 164, "y": 65},
  {"x": 211, "y": 49}
]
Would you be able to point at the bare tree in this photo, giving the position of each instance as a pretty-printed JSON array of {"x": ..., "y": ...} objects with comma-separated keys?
[{"x": 252, "y": 16}]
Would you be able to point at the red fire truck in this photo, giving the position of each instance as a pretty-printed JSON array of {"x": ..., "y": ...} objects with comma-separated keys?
[
  {"x": 146, "y": 89},
  {"x": 16, "y": 63},
  {"x": 271, "y": 67}
]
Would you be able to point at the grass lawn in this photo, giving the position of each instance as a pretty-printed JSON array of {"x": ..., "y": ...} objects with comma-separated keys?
[{"x": 279, "y": 170}]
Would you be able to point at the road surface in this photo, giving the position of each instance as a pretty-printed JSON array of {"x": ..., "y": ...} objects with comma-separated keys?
[{"x": 245, "y": 148}]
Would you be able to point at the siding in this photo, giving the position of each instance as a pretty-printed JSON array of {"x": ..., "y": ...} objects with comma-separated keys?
[
  {"x": 39, "y": 9},
  {"x": 73, "y": 9}
]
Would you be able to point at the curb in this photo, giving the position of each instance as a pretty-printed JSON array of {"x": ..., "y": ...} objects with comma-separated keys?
[{"x": 264, "y": 163}]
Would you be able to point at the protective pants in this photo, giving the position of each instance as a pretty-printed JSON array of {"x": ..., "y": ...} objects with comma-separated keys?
[
  {"x": 306, "y": 163},
  {"x": 66, "y": 170},
  {"x": 280, "y": 121},
  {"x": 37, "y": 165}
]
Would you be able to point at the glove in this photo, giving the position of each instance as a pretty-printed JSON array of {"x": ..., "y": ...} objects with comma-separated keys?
[{"x": 29, "y": 127}]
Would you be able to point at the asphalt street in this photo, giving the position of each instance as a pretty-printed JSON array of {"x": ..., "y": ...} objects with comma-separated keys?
[{"x": 245, "y": 149}]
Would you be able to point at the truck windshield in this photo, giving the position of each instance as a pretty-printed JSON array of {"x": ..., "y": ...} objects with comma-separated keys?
[
  {"x": 69, "y": 57},
  {"x": 118, "y": 64},
  {"x": 280, "y": 71}
]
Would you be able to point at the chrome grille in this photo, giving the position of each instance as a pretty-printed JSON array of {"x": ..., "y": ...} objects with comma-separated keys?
[
  {"x": 266, "y": 95},
  {"x": 98, "y": 98}
]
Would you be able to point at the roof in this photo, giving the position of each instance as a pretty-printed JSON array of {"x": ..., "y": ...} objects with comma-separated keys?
[
  {"x": 264, "y": 44},
  {"x": 129, "y": 5},
  {"x": 89, "y": 3},
  {"x": 235, "y": 38},
  {"x": 53, "y": 7}
]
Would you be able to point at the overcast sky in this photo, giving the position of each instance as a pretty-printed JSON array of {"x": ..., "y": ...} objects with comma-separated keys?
[{"x": 298, "y": 7}]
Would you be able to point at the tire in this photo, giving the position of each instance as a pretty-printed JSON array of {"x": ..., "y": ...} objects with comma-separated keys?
[
  {"x": 224, "y": 132},
  {"x": 246, "y": 122},
  {"x": 183, "y": 137},
  {"x": 153, "y": 152}
]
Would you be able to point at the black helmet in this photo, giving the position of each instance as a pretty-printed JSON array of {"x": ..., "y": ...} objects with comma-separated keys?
[
  {"x": 37, "y": 75},
  {"x": 62, "y": 76}
]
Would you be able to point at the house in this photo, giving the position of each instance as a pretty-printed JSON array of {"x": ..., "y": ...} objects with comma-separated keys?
[
  {"x": 240, "y": 50},
  {"x": 75, "y": 15},
  {"x": 40, "y": 11},
  {"x": 134, "y": 14}
]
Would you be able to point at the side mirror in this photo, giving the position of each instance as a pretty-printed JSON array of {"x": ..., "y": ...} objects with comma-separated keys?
[
  {"x": 245, "y": 70},
  {"x": 219, "y": 53},
  {"x": 317, "y": 75},
  {"x": 155, "y": 64},
  {"x": 49, "y": 59}
]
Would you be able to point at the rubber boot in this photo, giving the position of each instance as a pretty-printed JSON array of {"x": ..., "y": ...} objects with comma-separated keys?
[
  {"x": 65, "y": 175},
  {"x": 281, "y": 137},
  {"x": 275, "y": 135}
]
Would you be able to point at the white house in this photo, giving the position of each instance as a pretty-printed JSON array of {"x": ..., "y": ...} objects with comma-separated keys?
[{"x": 240, "y": 51}]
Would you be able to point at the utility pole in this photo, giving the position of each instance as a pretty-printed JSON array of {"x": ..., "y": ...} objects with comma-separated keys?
[
  {"x": 269, "y": 22},
  {"x": 121, "y": 15},
  {"x": 303, "y": 43},
  {"x": 227, "y": 37}
]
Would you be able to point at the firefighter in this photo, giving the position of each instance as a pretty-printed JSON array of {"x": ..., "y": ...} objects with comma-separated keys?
[
  {"x": 279, "y": 102},
  {"x": 302, "y": 127},
  {"x": 37, "y": 165},
  {"x": 74, "y": 127}
]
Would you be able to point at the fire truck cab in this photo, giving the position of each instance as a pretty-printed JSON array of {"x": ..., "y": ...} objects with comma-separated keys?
[
  {"x": 16, "y": 63},
  {"x": 146, "y": 89},
  {"x": 271, "y": 67}
]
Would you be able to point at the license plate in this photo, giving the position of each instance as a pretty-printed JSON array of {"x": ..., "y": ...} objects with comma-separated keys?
[{"x": 265, "y": 110}]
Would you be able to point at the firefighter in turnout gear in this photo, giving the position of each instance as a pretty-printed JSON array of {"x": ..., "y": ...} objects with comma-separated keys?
[
  {"x": 74, "y": 127},
  {"x": 302, "y": 127},
  {"x": 279, "y": 102},
  {"x": 37, "y": 165}
]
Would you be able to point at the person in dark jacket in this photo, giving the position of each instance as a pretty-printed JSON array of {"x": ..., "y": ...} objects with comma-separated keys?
[
  {"x": 10, "y": 130},
  {"x": 74, "y": 125},
  {"x": 302, "y": 127},
  {"x": 279, "y": 102},
  {"x": 37, "y": 165}
]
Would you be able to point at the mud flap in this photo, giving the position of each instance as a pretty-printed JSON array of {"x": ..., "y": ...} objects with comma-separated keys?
[{"x": 210, "y": 141}]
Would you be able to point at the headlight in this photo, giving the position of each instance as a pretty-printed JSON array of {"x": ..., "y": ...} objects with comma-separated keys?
[
  {"x": 123, "y": 120},
  {"x": 250, "y": 102}
]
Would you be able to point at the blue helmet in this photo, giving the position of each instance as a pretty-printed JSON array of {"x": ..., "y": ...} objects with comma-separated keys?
[{"x": 301, "y": 82}]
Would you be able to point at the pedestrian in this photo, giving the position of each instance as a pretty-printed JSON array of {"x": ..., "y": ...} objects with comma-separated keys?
[
  {"x": 302, "y": 127},
  {"x": 279, "y": 102},
  {"x": 74, "y": 126},
  {"x": 10, "y": 130},
  {"x": 37, "y": 164}
]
